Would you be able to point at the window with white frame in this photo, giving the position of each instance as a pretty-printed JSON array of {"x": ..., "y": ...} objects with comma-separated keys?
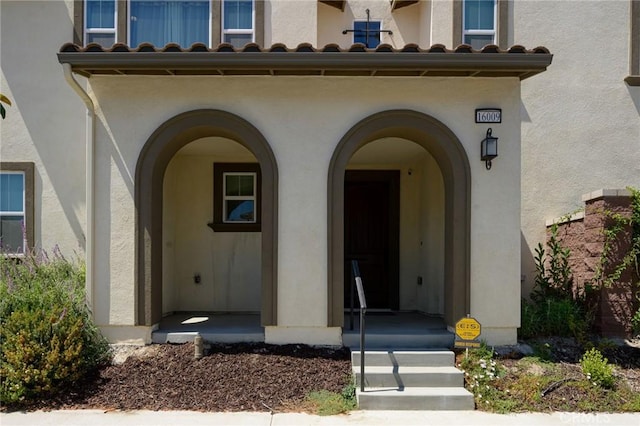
[
  {"x": 169, "y": 21},
  {"x": 479, "y": 23},
  {"x": 13, "y": 236},
  {"x": 153, "y": 21},
  {"x": 236, "y": 197},
  {"x": 367, "y": 33},
  {"x": 100, "y": 17},
  {"x": 239, "y": 203},
  {"x": 238, "y": 22}
]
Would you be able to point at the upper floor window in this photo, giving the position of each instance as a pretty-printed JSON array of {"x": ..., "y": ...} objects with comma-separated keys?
[
  {"x": 367, "y": 33},
  {"x": 479, "y": 23},
  {"x": 162, "y": 22},
  {"x": 169, "y": 21},
  {"x": 16, "y": 207},
  {"x": 238, "y": 22},
  {"x": 100, "y": 22}
]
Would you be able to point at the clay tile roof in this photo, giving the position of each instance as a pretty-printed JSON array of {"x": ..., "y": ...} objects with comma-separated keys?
[{"x": 305, "y": 59}]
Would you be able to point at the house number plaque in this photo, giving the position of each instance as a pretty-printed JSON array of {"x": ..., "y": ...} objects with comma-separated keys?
[{"x": 488, "y": 115}]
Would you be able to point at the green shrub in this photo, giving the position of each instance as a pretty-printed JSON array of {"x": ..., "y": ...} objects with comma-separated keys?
[
  {"x": 597, "y": 369},
  {"x": 554, "y": 309},
  {"x": 47, "y": 337},
  {"x": 635, "y": 323},
  {"x": 553, "y": 317}
]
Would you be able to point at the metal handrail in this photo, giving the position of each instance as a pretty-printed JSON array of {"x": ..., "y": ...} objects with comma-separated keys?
[{"x": 355, "y": 269}]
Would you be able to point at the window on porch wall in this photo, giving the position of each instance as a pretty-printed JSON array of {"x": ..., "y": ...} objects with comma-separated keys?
[{"x": 168, "y": 21}]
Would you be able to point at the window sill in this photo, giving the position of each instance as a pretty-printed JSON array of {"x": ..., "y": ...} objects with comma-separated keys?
[
  {"x": 234, "y": 227},
  {"x": 632, "y": 80}
]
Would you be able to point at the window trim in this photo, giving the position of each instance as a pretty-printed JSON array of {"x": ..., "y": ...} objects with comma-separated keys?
[
  {"x": 122, "y": 30},
  {"x": 218, "y": 224},
  {"x": 238, "y": 31},
  {"x": 28, "y": 170},
  {"x": 501, "y": 37}
]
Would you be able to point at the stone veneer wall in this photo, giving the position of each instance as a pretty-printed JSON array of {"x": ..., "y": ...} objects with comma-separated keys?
[{"x": 583, "y": 234}]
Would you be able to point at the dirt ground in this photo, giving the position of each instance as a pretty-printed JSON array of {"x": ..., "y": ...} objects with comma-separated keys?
[
  {"x": 238, "y": 377},
  {"x": 261, "y": 377}
]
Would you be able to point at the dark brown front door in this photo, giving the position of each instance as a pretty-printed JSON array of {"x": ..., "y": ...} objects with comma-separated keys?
[{"x": 371, "y": 230}]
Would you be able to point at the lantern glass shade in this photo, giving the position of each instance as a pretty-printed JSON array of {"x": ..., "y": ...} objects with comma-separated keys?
[{"x": 489, "y": 147}]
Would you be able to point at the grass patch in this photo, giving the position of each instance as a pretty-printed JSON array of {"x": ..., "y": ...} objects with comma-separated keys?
[{"x": 326, "y": 403}]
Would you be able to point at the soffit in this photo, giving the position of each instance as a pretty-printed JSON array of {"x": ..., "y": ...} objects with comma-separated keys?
[{"x": 410, "y": 61}]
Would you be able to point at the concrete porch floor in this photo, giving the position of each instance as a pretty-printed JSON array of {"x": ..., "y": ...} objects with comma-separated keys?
[{"x": 387, "y": 329}]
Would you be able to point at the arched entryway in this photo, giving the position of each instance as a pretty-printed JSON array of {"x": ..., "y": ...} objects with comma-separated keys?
[
  {"x": 154, "y": 158},
  {"x": 449, "y": 155}
]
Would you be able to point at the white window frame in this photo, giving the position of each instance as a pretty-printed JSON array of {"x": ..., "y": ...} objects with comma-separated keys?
[
  {"x": 239, "y": 31},
  {"x": 492, "y": 33},
  {"x": 226, "y": 197},
  {"x": 113, "y": 30},
  {"x": 23, "y": 213},
  {"x": 353, "y": 38}
]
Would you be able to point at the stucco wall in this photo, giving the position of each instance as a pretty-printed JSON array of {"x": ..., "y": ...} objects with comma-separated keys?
[
  {"x": 580, "y": 121},
  {"x": 290, "y": 22},
  {"x": 46, "y": 122},
  {"x": 406, "y": 24},
  {"x": 303, "y": 142},
  {"x": 228, "y": 263},
  {"x": 303, "y": 119}
]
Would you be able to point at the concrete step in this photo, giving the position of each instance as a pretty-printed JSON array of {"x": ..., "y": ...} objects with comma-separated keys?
[
  {"x": 403, "y": 377},
  {"x": 415, "y": 398},
  {"x": 213, "y": 337},
  {"x": 429, "y": 358},
  {"x": 434, "y": 339}
]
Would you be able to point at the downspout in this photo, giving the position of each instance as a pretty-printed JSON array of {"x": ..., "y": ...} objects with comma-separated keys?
[{"x": 90, "y": 145}]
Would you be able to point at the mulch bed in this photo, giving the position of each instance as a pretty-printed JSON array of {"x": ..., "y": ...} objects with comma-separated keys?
[{"x": 238, "y": 377}]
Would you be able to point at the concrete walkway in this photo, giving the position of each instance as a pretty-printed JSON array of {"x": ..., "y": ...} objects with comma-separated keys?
[{"x": 364, "y": 418}]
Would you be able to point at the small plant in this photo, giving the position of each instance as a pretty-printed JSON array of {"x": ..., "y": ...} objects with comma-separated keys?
[
  {"x": 3, "y": 99},
  {"x": 47, "y": 338},
  {"x": 553, "y": 273},
  {"x": 480, "y": 372},
  {"x": 597, "y": 369},
  {"x": 635, "y": 322}
]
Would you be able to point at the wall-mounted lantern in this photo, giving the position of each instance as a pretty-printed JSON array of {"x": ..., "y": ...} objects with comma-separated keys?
[{"x": 488, "y": 149}]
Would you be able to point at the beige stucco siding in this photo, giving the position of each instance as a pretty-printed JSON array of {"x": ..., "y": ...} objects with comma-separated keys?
[
  {"x": 406, "y": 24},
  {"x": 303, "y": 119},
  {"x": 45, "y": 124},
  {"x": 580, "y": 121},
  {"x": 303, "y": 142},
  {"x": 228, "y": 263}
]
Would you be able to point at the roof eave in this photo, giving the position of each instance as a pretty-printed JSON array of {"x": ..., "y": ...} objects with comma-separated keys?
[{"x": 522, "y": 65}]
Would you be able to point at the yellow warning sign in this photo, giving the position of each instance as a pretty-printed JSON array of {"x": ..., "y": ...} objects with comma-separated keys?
[{"x": 468, "y": 328}]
